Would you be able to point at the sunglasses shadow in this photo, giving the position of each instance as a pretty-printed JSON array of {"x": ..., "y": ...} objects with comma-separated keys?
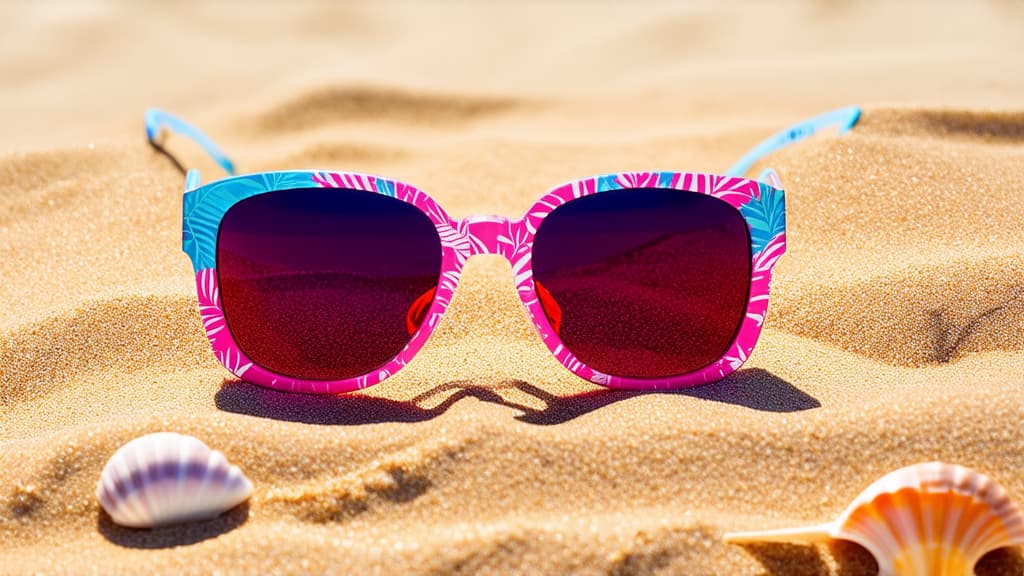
[
  {"x": 755, "y": 388},
  {"x": 163, "y": 152}
]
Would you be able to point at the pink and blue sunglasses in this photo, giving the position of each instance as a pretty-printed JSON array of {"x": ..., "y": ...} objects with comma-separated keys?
[{"x": 323, "y": 282}]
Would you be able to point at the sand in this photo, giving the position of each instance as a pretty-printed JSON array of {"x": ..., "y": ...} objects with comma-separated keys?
[{"x": 895, "y": 333}]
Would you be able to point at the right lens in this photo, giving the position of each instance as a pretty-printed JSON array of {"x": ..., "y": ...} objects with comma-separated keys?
[
  {"x": 325, "y": 283},
  {"x": 644, "y": 283}
]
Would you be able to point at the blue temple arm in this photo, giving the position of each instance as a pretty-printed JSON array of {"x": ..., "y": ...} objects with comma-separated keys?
[
  {"x": 158, "y": 122},
  {"x": 843, "y": 118}
]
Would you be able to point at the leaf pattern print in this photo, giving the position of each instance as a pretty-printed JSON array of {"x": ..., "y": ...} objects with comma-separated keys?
[
  {"x": 761, "y": 278},
  {"x": 514, "y": 241},
  {"x": 637, "y": 180},
  {"x": 457, "y": 239},
  {"x": 202, "y": 213},
  {"x": 385, "y": 187},
  {"x": 607, "y": 182},
  {"x": 579, "y": 189},
  {"x": 233, "y": 359},
  {"x": 762, "y": 207},
  {"x": 766, "y": 215},
  {"x": 411, "y": 194},
  {"x": 737, "y": 356},
  {"x": 209, "y": 303},
  {"x": 212, "y": 314},
  {"x": 556, "y": 198},
  {"x": 347, "y": 180},
  {"x": 766, "y": 259}
]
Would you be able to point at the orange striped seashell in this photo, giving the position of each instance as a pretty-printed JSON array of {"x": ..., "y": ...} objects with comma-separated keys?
[{"x": 930, "y": 519}]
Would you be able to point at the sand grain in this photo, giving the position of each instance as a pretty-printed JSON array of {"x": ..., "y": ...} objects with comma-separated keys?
[{"x": 895, "y": 335}]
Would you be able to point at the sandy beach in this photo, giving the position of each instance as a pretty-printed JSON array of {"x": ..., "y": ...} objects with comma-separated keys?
[{"x": 895, "y": 333}]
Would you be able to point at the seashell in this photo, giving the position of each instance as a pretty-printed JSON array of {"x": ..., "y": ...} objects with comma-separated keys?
[
  {"x": 167, "y": 478},
  {"x": 933, "y": 518}
]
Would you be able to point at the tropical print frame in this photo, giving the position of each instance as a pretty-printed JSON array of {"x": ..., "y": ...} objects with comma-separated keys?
[{"x": 760, "y": 202}]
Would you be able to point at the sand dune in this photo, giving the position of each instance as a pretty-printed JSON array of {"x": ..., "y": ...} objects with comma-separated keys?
[
  {"x": 895, "y": 334},
  {"x": 370, "y": 104}
]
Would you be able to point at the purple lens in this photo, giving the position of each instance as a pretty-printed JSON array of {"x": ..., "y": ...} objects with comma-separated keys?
[
  {"x": 644, "y": 283},
  {"x": 325, "y": 283}
]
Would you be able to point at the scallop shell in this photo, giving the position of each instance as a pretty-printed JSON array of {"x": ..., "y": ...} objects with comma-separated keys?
[
  {"x": 931, "y": 518},
  {"x": 167, "y": 478}
]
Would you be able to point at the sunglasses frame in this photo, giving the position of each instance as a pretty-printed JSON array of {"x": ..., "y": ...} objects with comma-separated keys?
[{"x": 761, "y": 204}]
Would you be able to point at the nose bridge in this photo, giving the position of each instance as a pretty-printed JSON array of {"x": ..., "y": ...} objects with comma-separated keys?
[{"x": 489, "y": 234}]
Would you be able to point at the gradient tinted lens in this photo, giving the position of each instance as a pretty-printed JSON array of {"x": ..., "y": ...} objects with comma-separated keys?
[
  {"x": 644, "y": 283},
  {"x": 325, "y": 284}
]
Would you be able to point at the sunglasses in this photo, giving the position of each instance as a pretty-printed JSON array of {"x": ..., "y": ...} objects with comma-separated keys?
[{"x": 324, "y": 282}]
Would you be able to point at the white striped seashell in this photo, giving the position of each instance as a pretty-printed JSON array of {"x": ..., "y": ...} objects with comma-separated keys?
[
  {"x": 930, "y": 519},
  {"x": 167, "y": 478}
]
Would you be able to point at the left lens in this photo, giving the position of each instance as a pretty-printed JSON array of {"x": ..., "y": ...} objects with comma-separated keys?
[
  {"x": 644, "y": 283},
  {"x": 325, "y": 283}
]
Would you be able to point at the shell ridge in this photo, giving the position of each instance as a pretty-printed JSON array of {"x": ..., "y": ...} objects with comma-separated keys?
[
  {"x": 908, "y": 510},
  {"x": 1017, "y": 527},
  {"x": 148, "y": 485},
  {"x": 187, "y": 452},
  {"x": 155, "y": 490},
  {"x": 880, "y": 524},
  {"x": 166, "y": 478},
  {"x": 879, "y": 552},
  {"x": 200, "y": 495},
  {"x": 973, "y": 519},
  {"x": 123, "y": 487},
  {"x": 992, "y": 537},
  {"x": 134, "y": 463},
  {"x": 164, "y": 464},
  {"x": 915, "y": 532},
  {"x": 930, "y": 519},
  {"x": 214, "y": 481},
  {"x": 872, "y": 535},
  {"x": 952, "y": 522}
]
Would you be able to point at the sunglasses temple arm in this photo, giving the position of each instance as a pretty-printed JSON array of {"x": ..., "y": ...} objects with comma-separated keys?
[
  {"x": 843, "y": 118},
  {"x": 159, "y": 122}
]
